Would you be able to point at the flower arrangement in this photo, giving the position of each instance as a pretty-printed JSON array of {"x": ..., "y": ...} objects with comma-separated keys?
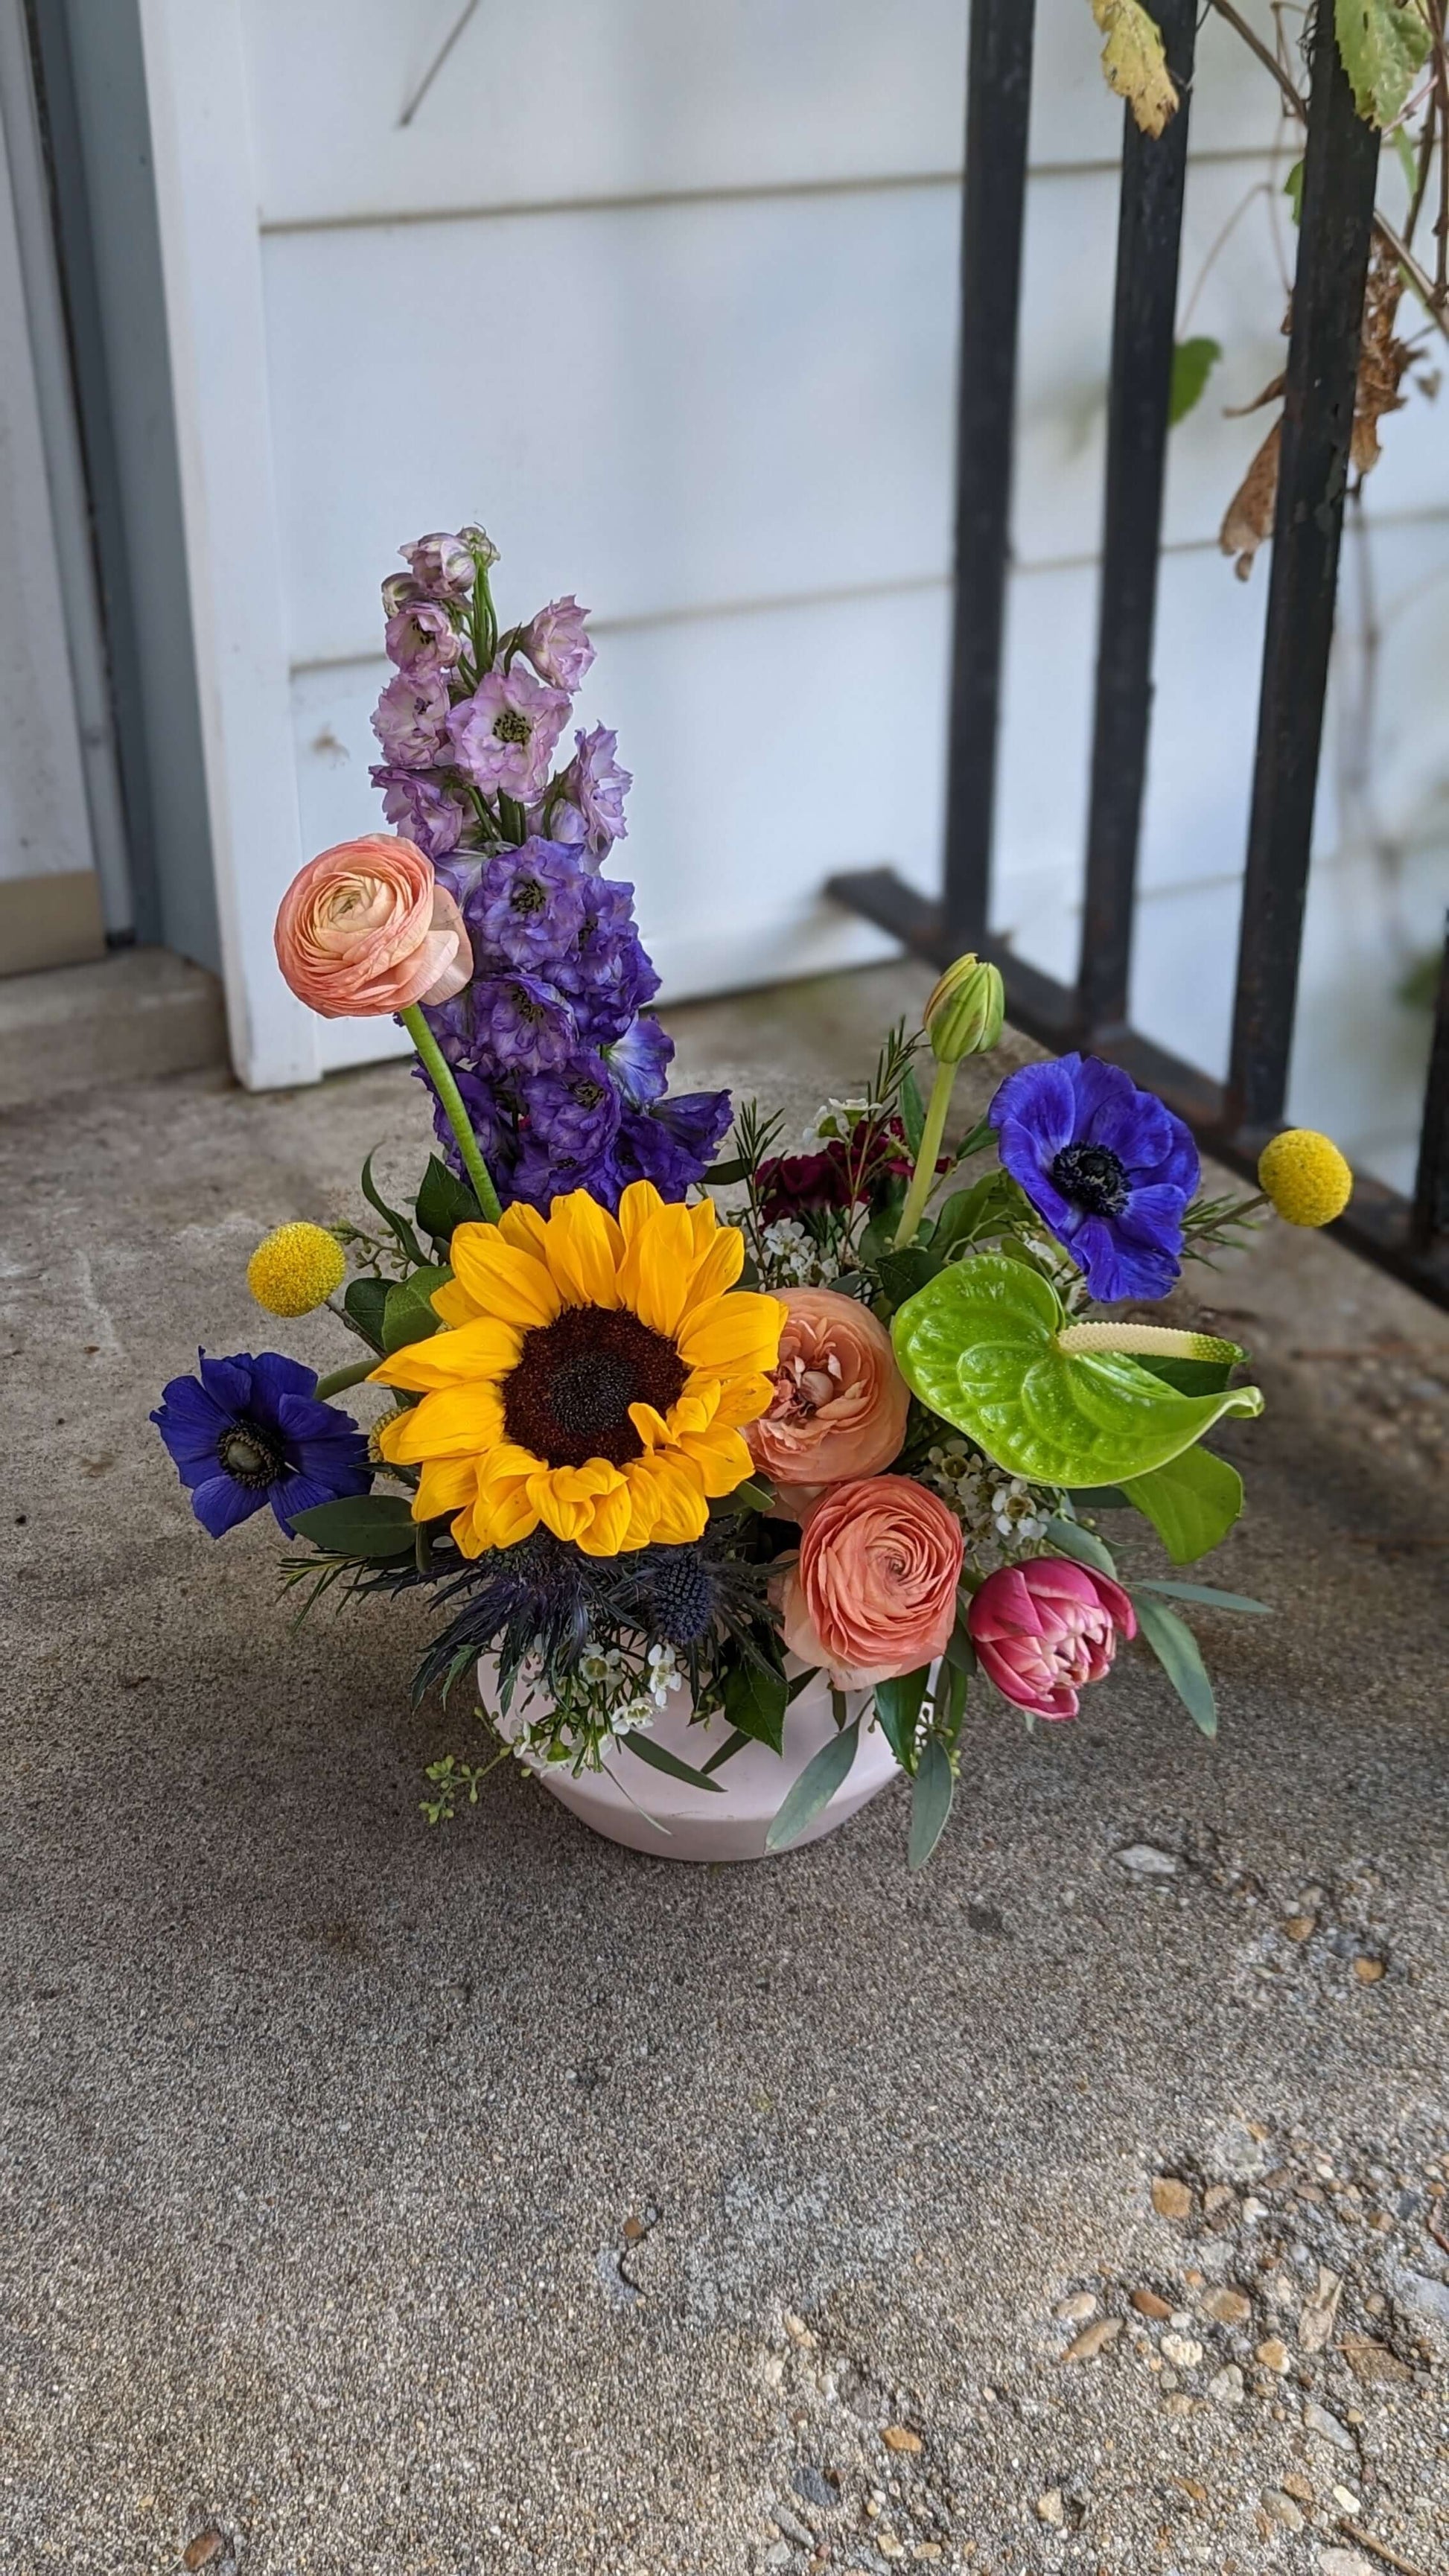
[{"x": 861, "y": 1424}]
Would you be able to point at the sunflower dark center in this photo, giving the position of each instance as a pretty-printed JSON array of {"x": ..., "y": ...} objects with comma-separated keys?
[
  {"x": 568, "y": 1398},
  {"x": 249, "y": 1456},
  {"x": 1092, "y": 1177}
]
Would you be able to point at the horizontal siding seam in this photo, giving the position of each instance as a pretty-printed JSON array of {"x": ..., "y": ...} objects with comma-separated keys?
[{"x": 746, "y": 192}]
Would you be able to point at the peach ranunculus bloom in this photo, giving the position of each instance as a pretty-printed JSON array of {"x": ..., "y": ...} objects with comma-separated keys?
[
  {"x": 366, "y": 929},
  {"x": 840, "y": 1401},
  {"x": 873, "y": 1594}
]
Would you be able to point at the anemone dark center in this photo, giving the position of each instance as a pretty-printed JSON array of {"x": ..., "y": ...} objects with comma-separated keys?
[
  {"x": 249, "y": 1456},
  {"x": 1092, "y": 1177},
  {"x": 510, "y": 726},
  {"x": 568, "y": 1398}
]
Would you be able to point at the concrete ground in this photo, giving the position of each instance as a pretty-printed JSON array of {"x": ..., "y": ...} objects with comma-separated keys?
[{"x": 381, "y": 2199}]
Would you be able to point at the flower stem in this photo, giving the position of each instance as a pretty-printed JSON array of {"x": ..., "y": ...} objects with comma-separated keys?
[
  {"x": 924, "y": 1176},
  {"x": 337, "y": 1379},
  {"x": 441, "y": 1075}
]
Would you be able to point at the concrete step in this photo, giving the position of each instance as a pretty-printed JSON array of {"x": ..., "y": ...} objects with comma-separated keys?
[{"x": 126, "y": 1018}]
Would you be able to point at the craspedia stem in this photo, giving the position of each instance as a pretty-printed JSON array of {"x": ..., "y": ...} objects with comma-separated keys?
[
  {"x": 339, "y": 1379},
  {"x": 440, "y": 1073}
]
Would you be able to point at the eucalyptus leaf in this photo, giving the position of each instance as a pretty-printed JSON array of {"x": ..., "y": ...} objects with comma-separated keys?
[
  {"x": 960, "y": 1652},
  {"x": 721, "y": 1175},
  {"x": 822, "y": 1776},
  {"x": 659, "y": 1758},
  {"x": 1192, "y": 1502},
  {"x": 931, "y": 1797},
  {"x": 978, "y": 1344},
  {"x": 360, "y": 1525},
  {"x": 755, "y": 1698},
  {"x": 991, "y": 1202},
  {"x": 1083, "y": 1544},
  {"x": 981, "y": 1135},
  {"x": 903, "y": 1272},
  {"x": 408, "y": 1315},
  {"x": 1208, "y": 1595},
  {"x": 734, "y": 1743},
  {"x": 365, "y": 1300},
  {"x": 897, "y": 1707},
  {"x": 396, "y": 1223},
  {"x": 1177, "y": 1651},
  {"x": 444, "y": 1201}
]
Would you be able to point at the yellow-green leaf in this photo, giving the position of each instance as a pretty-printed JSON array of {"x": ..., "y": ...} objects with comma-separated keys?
[
  {"x": 1384, "y": 43},
  {"x": 1135, "y": 62},
  {"x": 1192, "y": 363}
]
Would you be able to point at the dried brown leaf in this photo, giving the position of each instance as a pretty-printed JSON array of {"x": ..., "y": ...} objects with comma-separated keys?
[{"x": 1248, "y": 520}]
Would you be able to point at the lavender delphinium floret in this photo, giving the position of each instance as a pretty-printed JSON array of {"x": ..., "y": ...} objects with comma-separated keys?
[
  {"x": 523, "y": 1024},
  {"x": 410, "y": 719},
  {"x": 503, "y": 736},
  {"x": 557, "y": 644},
  {"x": 593, "y": 789},
  {"x": 527, "y": 908},
  {"x": 442, "y": 565},
  {"x": 421, "y": 808},
  {"x": 421, "y": 637},
  {"x": 605, "y": 971},
  {"x": 574, "y": 1112},
  {"x": 639, "y": 1061},
  {"x": 673, "y": 1143}
]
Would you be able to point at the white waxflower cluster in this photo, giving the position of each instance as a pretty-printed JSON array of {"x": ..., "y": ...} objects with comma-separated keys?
[
  {"x": 794, "y": 1258},
  {"x": 1001, "y": 1515},
  {"x": 631, "y": 1701},
  {"x": 835, "y": 1119}
]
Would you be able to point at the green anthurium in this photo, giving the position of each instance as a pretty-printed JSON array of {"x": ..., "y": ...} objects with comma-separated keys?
[{"x": 989, "y": 1346}]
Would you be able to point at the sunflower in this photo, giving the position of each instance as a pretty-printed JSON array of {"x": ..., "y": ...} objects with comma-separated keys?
[{"x": 594, "y": 1376}]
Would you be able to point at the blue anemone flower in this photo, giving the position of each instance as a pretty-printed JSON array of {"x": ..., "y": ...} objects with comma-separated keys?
[
  {"x": 251, "y": 1431},
  {"x": 1106, "y": 1166}
]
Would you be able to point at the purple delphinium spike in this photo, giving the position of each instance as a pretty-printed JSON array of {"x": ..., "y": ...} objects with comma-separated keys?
[
  {"x": 557, "y": 644},
  {"x": 503, "y": 736}
]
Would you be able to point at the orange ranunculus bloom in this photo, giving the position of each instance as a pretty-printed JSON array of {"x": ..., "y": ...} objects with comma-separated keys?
[
  {"x": 366, "y": 929},
  {"x": 874, "y": 1592},
  {"x": 840, "y": 1401}
]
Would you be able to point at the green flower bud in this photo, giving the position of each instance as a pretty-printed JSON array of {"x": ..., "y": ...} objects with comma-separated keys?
[{"x": 965, "y": 1012}]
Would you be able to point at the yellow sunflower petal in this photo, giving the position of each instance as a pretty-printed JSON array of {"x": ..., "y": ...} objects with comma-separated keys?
[
  {"x": 718, "y": 1265},
  {"x": 657, "y": 1272},
  {"x": 445, "y": 1485},
  {"x": 457, "y": 1422},
  {"x": 744, "y": 1399},
  {"x": 583, "y": 1248},
  {"x": 566, "y": 1496},
  {"x": 500, "y": 1518},
  {"x": 640, "y": 1201},
  {"x": 502, "y": 1280},
  {"x": 609, "y": 1525},
  {"x": 668, "y": 1502},
  {"x": 477, "y": 1352},
  {"x": 524, "y": 1228},
  {"x": 740, "y": 1331},
  {"x": 454, "y": 1304},
  {"x": 720, "y": 1458},
  {"x": 651, "y": 1426}
]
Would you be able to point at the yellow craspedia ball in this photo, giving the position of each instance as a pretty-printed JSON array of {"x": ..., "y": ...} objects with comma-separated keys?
[
  {"x": 1305, "y": 1176},
  {"x": 295, "y": 1268}
]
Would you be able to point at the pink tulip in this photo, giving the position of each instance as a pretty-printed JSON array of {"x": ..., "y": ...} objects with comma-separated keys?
[
  {"x": 366, "y": 929},
  {"x": 1043, "y": 1629}
]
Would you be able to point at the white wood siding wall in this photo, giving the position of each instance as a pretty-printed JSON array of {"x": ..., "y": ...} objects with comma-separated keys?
[{"x": 666, "y": 297}]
